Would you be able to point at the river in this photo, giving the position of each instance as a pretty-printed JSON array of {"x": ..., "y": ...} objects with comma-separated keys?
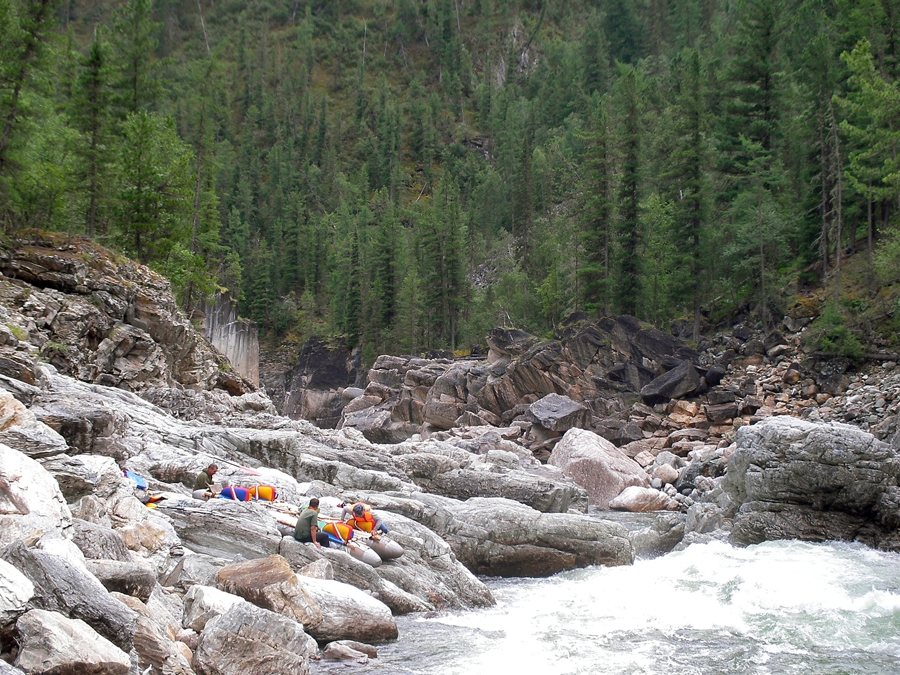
[{"x": 785, "y": 607}]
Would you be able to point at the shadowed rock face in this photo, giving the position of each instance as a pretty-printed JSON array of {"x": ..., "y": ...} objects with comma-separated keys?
[
  {"x": 600, "y": 365},
  {"x": 796, "y": 479}
]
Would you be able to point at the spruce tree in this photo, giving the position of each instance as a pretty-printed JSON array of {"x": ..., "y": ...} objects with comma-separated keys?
[{"x": 628, "y": 234}]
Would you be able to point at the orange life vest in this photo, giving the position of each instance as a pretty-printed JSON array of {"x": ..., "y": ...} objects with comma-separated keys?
[
  {"x": 365, "y": 522},
  {"x": 343, "y": 531}
]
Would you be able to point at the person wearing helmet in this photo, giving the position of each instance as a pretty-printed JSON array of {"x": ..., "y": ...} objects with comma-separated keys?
[{"x": 360, "y": 517}]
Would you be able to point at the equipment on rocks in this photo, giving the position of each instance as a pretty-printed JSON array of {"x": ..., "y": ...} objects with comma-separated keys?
[{"x": 239, "y": 493}]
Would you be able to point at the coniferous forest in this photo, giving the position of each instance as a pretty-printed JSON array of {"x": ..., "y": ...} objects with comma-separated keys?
[{"x": 410, "y": 173}]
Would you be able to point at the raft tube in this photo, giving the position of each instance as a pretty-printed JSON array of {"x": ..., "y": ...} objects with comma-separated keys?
[{"x": 386, "y": 549}]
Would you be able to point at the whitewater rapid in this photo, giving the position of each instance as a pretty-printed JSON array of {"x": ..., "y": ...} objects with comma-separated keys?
[{"x": 777, "y": 608}]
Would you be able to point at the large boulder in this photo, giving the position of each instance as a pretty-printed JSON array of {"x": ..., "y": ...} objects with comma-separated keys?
[
  {"x": 20, "y": 429},
  {"x": 348, "y": 613},
  {"x": 676, "y": 383},
  {"x": 137, "y": 579},
  {"x": 52, "y": 644},
  {"x": 498, "y": 537},
  {"x": 796, "y": 479},
  {"x": 596, "y": 465},
  {"x": 202, "y": 604},
  {"x": 99, "y": 543},
  {"x": 64, "y": 587},
  {"x": 271, "y": 584},
  {"x": 30, "y": 499},
  {"x": 558, "y": 414},
  {"x": 82, "y": 475},
  {"x": 249, "y": 640},
  {"x": 641, "y": 499},
  {"x": 154, "y": 641}
]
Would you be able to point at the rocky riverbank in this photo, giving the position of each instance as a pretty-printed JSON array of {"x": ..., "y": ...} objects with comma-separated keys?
[{"x": 492, "y": 467}]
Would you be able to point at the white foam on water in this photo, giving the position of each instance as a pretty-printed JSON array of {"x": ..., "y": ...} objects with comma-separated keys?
[{"x": 775, "y": 600}]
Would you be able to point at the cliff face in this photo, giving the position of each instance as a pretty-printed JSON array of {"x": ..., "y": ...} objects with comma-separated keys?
[
  {"x": 237, "y": 339},
  {"x": 100, "y": 318}
]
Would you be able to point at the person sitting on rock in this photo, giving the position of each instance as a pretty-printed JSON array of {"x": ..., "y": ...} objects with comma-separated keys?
[
  {"x": 360, "y": 517},
  {"x": 307, "y": 530},
  {"x": 204, "y": 487}
]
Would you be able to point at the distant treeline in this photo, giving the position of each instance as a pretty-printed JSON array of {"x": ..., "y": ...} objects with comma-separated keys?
[{"x": 409, "y": 173}]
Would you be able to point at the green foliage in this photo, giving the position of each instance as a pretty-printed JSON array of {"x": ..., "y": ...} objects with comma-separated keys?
[
  {"x": 155, "y": 188},
  {"x": 830, "y": 334},
  {"x": 410, "y": 174},
  {"x": 19, "y": 332}
]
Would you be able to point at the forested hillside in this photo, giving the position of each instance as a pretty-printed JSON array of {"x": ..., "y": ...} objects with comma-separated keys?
[{"x": 409, "y": 173}]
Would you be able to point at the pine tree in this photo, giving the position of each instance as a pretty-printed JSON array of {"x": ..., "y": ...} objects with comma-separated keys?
[
  {"x": 686, "y": 175},
  {"x": 26, "y": 24},
  {"x": 155, "y": 189},
  {"x": 91, "y": 115},
  {"x": 134, "y": 39},
  {"x": 597, "y": 229},
  {"x": 628, "y": 232}
]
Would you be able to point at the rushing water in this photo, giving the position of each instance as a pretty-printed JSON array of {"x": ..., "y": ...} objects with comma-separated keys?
[{"x": 779, "y": 607}]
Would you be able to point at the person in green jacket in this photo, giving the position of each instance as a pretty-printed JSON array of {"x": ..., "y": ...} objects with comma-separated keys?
[
  {"x": 307, "y": 529},
  {"x": 204, "y": 488}
]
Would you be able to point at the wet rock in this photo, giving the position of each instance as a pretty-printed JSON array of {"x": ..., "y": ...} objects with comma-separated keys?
[{"x": 500, "y": 537}]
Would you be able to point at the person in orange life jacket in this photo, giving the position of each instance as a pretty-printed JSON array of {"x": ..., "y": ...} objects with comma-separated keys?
[
  {"x": 307, "y": 529},
  {"x": 360, "y": 516}
]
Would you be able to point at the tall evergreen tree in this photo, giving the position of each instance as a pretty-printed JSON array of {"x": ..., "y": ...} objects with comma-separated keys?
[
  {"x": 627, "y": 290},
  {"x": 134, "y": 39},
  {"x": 26, "y": 24},
  {"x": 686, "y": 175},
  {"x": 597, "y": 228},
  {"x": 92, "y": 116}
]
